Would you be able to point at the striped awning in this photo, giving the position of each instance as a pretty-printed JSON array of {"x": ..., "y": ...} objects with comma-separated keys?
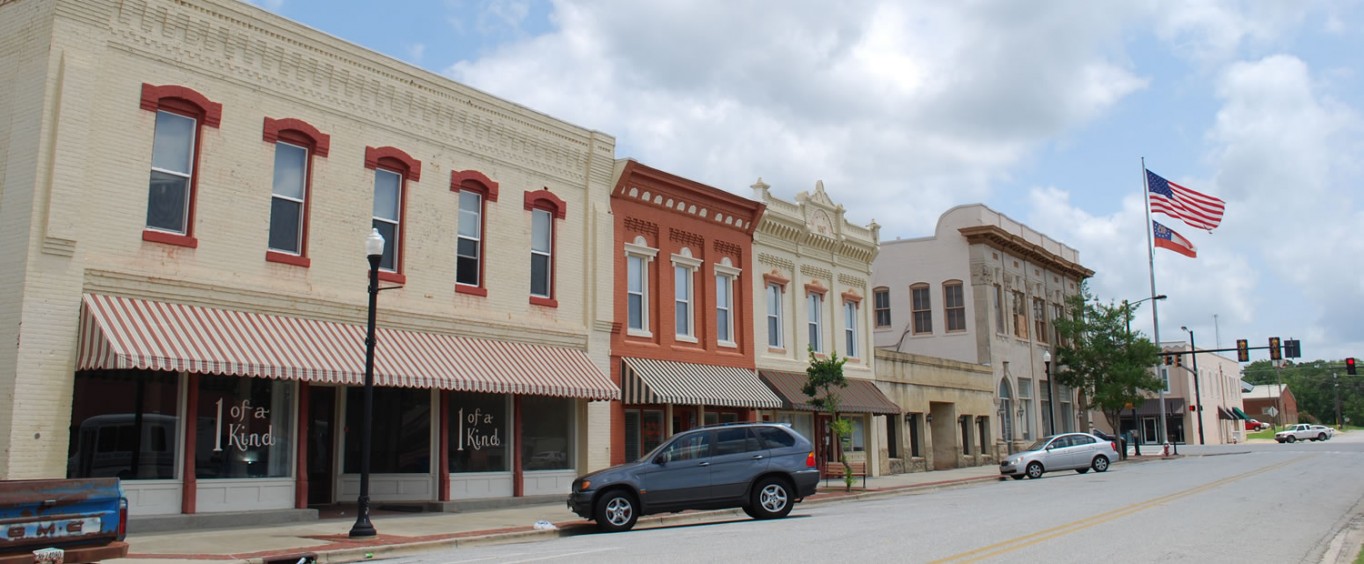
[
  {"x": 129, "y": 333},
  {"x": 664, "y": 381},
  {"x": 859, "y": 396}
]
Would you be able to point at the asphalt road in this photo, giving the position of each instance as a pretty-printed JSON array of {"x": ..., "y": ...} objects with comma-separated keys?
[{"x": 1250, "y": 503}]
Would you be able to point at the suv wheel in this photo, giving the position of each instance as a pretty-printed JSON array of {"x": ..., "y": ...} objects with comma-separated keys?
[
  {"x": 616, "y": 512},
  {"x": 771, "y": 499}
]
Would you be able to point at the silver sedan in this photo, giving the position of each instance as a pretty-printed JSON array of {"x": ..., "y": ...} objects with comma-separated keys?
[{"x": 1070, "y": 451}]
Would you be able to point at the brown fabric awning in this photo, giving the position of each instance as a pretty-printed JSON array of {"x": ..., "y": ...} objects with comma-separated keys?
[
  {"x": 861, "y": 396},
  {"x": 1173, "y": 406},
  {"x": 1223, "y": 413}
]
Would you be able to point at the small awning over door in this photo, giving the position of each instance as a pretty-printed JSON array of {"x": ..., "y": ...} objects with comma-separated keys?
[
  {"x": 861, "y": 396},
  {"x": 130, "y": 333},
  {"x": 664, "y": 381}
]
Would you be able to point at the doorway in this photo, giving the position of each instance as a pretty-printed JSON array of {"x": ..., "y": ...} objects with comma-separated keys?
[
  {"x": 321, "y": 444},
  {"x": 1149, "y": 432}
]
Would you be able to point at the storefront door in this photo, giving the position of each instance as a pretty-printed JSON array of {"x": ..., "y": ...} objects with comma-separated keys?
[{"x": 321, "y": 444}]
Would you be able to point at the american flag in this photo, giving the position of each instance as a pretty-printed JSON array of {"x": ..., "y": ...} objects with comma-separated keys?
[{"x": 1197, "y": 209}]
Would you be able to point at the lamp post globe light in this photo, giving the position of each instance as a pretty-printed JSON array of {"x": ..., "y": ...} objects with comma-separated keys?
[{"x": 374, "y": 251}]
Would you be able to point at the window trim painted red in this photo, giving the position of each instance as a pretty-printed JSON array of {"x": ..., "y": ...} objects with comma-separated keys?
[
  {"x": 187, "y": 102},
  {"x": 297, "y": 132},
  {"x": 487, "y": 188},
  {"x": 397, "y": 161},
  {"x": 546, "y": 201}
]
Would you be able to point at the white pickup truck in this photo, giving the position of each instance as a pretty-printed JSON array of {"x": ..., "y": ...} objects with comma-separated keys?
[{"x": 1302, "y": 432}]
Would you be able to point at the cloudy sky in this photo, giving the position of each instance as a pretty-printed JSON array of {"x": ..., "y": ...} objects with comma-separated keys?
[{"x": 1040, "y": 110}]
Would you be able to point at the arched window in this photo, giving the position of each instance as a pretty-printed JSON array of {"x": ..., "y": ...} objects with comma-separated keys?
[
  {"x": 296, "y": 143},
  {"x": 392, "y": 170},
  {"x": 475, "y": 191},
  {"x": 181, "y": 113},
  {"x": 544, "y": 208}
]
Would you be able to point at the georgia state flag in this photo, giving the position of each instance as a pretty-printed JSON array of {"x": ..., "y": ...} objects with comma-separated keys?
[{"x": 1166, "y": 238}]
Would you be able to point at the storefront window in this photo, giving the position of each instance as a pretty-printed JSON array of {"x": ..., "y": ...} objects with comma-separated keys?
[
  {"x": 643, "y": 432},
  {"x": 243, "y": 428},
  {"x": 401, "y": 439},
  {"x": 479, "y": 426},
  {"x": 547, "y": 433},
  {"x": 123, "y": 424}
]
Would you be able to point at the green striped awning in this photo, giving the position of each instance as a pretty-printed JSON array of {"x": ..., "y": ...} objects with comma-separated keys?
[{"x": 664, "y": 381}]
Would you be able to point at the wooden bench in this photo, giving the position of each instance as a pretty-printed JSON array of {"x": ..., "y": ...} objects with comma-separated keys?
[{"x": 836, "y": 470}]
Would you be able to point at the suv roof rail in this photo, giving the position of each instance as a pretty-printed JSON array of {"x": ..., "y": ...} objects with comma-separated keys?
[{"x": 735, "y": 423}]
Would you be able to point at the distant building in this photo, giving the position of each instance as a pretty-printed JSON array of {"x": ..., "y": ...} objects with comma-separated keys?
[
  {"x": 1271, "y": 403},
  {"x": 983, "y": 290},
  {"x": 1218, "y": 392}
]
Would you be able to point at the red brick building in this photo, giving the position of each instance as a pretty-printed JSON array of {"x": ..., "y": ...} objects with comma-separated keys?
[{"x": 682, "y": 347}]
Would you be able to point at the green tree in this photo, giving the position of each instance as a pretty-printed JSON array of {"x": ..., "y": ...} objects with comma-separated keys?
[
  {"x": 824, "y": 377},
  {"x": 1100, "y": 356}
]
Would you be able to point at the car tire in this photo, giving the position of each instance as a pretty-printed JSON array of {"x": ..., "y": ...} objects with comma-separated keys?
[
  {"x": 1081, "y": 470},
  {"x": 771, "y": 499},
  {"x": 1017, "y": 476},
  {"x": 1035, "y": 470},
  {"x": 1291, "y": 439},
  {"x": 1100, "y": 463},
  {"x": 616, "y": 511},
  {"x": 1321, "y": 436}
]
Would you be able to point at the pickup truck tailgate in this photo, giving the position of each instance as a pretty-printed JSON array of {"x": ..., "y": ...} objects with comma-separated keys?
[{"x": 81, "y": 516}]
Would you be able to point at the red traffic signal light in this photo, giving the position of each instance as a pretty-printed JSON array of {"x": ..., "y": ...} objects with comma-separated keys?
[{"x": 1350, "y": 366}]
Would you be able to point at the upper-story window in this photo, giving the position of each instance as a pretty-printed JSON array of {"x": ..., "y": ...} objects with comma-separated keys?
[
  {"x": 684, "y": 295},
  {"x": 725, "y": 275},
  {"x": 1039, "y": 319},
  {"x": 954, "y": 306},
  {"x": 1000, "y": 327},
  {"x": 392, "y": 171},
  {"x": 1020, "y": 315},
  {"x": 921, "y": 309},
  {"x": 880, "y": 298},
  {"x": 850, "y": 340},
  {"x": 1056, "y": 312},
  {"x": 296, "y": 143},
  {"x": 814, "y": 305},
  {"x": 775, "y": 327},
  {"x": 638, "y": 258},
  {"x": 475, "y": 191},
  {"x": 180, "y": 115},
  {"x": 545, "y": 207}
]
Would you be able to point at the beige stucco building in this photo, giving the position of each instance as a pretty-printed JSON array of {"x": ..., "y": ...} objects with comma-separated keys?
[
  {"x": 813, "y": 274},
  {"x": 188, "y": 187},
  {"x": 982, "y": 291},
  {"x": 1217, "y": 389}
]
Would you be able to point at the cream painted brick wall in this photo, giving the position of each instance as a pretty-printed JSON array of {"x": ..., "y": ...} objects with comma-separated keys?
[{"x": 81, "y": 230}]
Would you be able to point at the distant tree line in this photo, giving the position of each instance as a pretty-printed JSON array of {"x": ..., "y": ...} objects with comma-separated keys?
[{"x": 1314, "y": 387}]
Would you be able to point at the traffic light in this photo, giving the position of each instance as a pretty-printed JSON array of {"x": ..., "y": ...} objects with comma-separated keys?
[
  {"x": 1242, "y": 350},
  {"x": 1292, "y": 348},
  {"x": 1274, "y": 352},
  {"x": 1179, "y": 360},
  {"x": 1350, "y": 366},
  {"x": 1167, "y": 360}
]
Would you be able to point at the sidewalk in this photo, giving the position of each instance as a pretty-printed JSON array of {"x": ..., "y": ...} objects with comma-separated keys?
[{"x": 406, "y": 534}]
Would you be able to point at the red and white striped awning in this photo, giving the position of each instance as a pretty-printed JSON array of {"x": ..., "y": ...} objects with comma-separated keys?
[{"x": 129, "y": 333}]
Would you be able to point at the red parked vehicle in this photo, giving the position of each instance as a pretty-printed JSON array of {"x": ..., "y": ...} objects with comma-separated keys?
[{"x": 1256, "y": 425}]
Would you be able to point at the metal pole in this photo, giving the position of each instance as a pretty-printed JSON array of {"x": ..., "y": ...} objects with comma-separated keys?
[
  {"x": 1198, "y": 397},
  {"x": 363, "y": 527},
  {"x": 1336, "y": 380},
  {"x": 1051, "y": 402}
]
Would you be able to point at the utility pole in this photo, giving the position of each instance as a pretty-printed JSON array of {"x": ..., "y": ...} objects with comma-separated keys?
[{"x": 1336, "y": 379}]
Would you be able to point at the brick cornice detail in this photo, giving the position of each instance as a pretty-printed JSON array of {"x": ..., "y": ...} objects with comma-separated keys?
[
  {"x": 546, "y": 200},
  {"x": 816, "y": 288},
  {"x": 769, "y": 278},
  {"x": 484, "y": 184}
]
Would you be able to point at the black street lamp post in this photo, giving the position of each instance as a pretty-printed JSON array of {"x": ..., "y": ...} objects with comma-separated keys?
[
  {"x": 374, "y": 250},
  {"x": 1051, "y": 403},
  {"x": 1197, "y": 393}
]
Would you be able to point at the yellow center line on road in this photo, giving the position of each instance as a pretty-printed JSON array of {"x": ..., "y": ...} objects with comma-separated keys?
[{"x": 1025, "y": 541}]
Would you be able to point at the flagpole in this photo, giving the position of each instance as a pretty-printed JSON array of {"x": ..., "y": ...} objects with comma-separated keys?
[{"x": 1155, "y": 308}]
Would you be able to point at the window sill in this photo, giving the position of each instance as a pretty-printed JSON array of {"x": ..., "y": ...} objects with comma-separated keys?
[
  {"x": 169, "y": 238},
  {"x": 471, "y": 290},
  {"x": 393, "y": 277},
  {"x": 728, "y": 344},
  {"x": 639, "y": 333},
  {"x": 686, "y": 339},
  {"x": 545, "y": 302},
  {"x": 778, "y": 350},
  {"x": 286, "y": 258}
]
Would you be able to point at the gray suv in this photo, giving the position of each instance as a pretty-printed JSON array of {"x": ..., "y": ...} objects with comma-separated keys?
[{"x": 765, "y": 468}]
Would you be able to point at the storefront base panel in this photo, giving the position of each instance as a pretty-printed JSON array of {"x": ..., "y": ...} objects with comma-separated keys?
[
  {"x": 390, "y": 487},
  {"x": 216, "y": 496},
  {"x": 549, "y": 482},
  {"x": 481, "y": 485},
  {"x": 152, "y": 497}
]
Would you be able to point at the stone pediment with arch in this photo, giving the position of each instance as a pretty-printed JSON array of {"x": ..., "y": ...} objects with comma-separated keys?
[{"x": 815, "y": 221}]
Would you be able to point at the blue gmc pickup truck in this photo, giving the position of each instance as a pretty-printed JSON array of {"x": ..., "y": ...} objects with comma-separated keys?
[{"x": 76, "y": 520}]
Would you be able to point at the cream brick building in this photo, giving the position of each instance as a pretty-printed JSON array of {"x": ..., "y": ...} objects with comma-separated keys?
[
  {"x": 982, "y": 290},
  {"x": 201, "y": 333},
  {"x": 814, "y": 267}
]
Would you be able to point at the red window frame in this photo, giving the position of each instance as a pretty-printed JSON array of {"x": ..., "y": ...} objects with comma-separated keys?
[
  {"x": 558, "y": 210},
  {"x": 190, "y": 103},
  {"x": 395, "y": 160},
  {"x": 475, "y": 181},
  {"x": 303, "y": 134}
]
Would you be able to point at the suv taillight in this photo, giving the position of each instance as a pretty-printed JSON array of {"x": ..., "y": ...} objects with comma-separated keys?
[
  {"x": 122, "y": 518},
  {"x": 810, "y": 460}
]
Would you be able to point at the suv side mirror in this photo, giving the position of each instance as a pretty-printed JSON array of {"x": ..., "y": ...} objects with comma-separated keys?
[{"x": 661, "y": 459}]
